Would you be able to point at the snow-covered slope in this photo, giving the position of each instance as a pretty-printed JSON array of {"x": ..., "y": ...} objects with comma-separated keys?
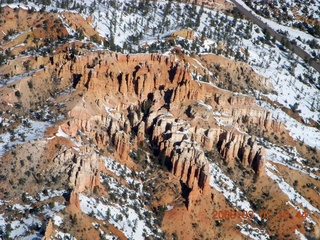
[{"x": 143, "y": 26}]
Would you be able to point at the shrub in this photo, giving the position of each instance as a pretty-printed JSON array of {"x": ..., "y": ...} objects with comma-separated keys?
[
  {"x": 95, "y": 38},
  {"x": 21, "y": 181},
  {"x": 24, "y": 198},
  {"x": 95, "y": 189},
  {"x": 45, "y": 192},
  {"x": 51, "y": 205},
  {"x": 27, "y": 66},
  {"x": 17, "y": 94},
  {"x": 30, "y": 84}
]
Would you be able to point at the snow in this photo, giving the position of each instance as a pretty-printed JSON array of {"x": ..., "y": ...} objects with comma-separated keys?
[
  {"x": 225, "y": 185},
  {"x": 288, "y": 91},
  {"x": 106, "y": 236},
  {"x": 57, "y": 220},
  {"x": 167, "y": 114},
  {"x": 253, "y": 233},
  {"x": 263, "y": 59},
  {"x": 69, "y": 30},
  {"x": 291, "y": 193},
  {"x": 300, "y": 235},
  {"x": 24, "y": 133},
  {"x": 297, "y": 130},
  {"x": 109, "y": 111},
  {"x": 127, "y": 213},
  {"x": 130, "y": 225},
  {"x": 2, "y": 221},
  {"x": 50, "y": 194},
  {"x": 27, "y": 6},
  {"x": 3, "y": 82},
  {"x": 208, "y": 107},
  {"x": 62, "y": 236},
  {"x": 289, "y": 157},
  {"x": 185, "y": 132},
  {"x": 292, "y": 32},
  {"x": 274, "y": 64},
  {"x": 36, "y": 130},
  {"x": 20, "y": 227},
  {"x": 236, "y": 198},
  {"x": 258, "y": 55},
  {"x": 294, "y": 197},
  {"x": 200, "y": 64},
  {"x": 120, "y": 170},
  {"x": 169, "y": 207},
  {"x": 21, "y": 208},
  {"x": 35, "y": 236},
  {"x": 50, "y": 212},
  {"x": 61, "y": 133}
]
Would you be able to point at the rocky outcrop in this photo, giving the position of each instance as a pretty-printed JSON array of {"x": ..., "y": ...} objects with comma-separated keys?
[
  {"x": 83, "y": 168},
  {"x": 156, "y": 95},
  {"x": 136, "y": 78},
  {"x": 190, "y": 165},
  {"x": 48, "y": 230},
  {"x": 233, "y": 144},
  {"x": 184, "y": 158},
  {"x": 74, "y": 199},
  {"x": 243, "y": 110}
]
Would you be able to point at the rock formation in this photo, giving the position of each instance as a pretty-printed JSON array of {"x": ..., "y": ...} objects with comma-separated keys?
[
  {"x": 83, "y": 168},
  {"x": 164, "y": 122},
  {"x": 145, "y": 83},
  {"x": 48, "y": 230},
  {"x": 132, "y": 96},
  {"x": 233, "y": 144}
]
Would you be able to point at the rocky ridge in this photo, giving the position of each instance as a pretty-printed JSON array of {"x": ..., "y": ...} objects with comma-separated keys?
[
  {"x": 153, "y": 98},
  {"x": 156, "y": 95},
  {"x": 144, "y": 111}
]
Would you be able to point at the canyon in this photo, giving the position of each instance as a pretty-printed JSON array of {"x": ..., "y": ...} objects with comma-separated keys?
[{"x": 97, "y": 144}]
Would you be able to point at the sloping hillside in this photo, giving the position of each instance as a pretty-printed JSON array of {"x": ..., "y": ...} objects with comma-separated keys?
[{"x": 156, "y": 120}]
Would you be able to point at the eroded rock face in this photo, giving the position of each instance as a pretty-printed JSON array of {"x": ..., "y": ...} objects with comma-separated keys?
[
  {"x": 129, "y": 96},
  {"x": 233, "y": 144},
  {"x": 184, "y": 158},
  {"x": 48, "y": 230},
  {"x": 83, "y": 168},
  {"x": 191, "y": 166}
]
